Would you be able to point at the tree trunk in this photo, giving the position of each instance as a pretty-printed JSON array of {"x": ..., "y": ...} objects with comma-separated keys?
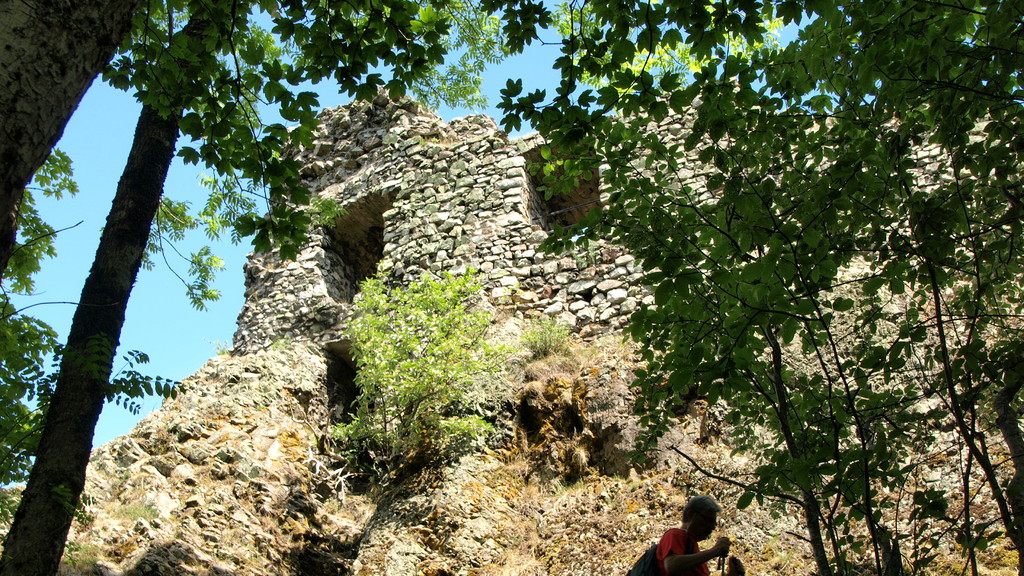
[
  {"x": 50, "y": 51},
  {"x": 36, "y": 539},
  {"x": 1007, "y": 420},
  {"x": 809, "y": 500}
]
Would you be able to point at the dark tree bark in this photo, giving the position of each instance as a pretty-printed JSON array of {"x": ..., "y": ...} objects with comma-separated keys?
[
  {"x": 36, "y": 539},
  {"x": 50, "y": 51},
  {"x": 1009, "y": 425},
  {"x": 809, "y": 502}
]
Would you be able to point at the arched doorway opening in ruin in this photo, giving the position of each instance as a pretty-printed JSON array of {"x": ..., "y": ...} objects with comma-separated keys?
[
  {"x": 357, "y": 238},
  {"x": 562, "y": 210},
  {"x": 340, "y": 382}
]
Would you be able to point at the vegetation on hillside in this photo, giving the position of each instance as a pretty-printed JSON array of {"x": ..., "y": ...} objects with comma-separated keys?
[
  {"x": 420, "y": 353},
  {"x": 851, "y": 286}
]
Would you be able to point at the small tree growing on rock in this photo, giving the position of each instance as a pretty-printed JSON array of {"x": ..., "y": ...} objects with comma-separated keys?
[{"x": 419, "y": 351}]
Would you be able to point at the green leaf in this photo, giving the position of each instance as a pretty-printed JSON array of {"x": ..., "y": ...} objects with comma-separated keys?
[
  {"x": 745, "y": 500},
  {"x": 843, "y": 304}
]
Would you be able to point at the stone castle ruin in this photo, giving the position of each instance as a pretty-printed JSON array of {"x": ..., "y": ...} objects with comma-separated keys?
[{"x": 419, "y": 195}]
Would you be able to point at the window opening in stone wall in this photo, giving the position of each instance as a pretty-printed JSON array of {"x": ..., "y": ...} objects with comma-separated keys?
[
  {"x": 342, "y": 395},
  {"x": 342, "y": 391},
  {"x": 358, "y": 239},
  {"x": 563, "y": 210}
]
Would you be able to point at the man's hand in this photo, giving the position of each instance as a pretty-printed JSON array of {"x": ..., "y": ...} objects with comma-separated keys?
[
  {"x": 722, "y": 546},
  {"x": 736, "y": 567}
]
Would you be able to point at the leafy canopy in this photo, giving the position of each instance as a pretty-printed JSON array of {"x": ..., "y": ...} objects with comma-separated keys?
[{"x": 831, "y": 229}]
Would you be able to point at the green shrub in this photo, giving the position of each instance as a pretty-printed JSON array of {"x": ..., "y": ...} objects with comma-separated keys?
[
  {"x": 131, "y": 512},
  {"x": 418, "y": 351},
  {"x": 281, "y": 344},
  {"x": 546, "y": 337}
]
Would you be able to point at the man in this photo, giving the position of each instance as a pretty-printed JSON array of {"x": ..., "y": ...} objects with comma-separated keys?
[{"x": 679, "y": 554}]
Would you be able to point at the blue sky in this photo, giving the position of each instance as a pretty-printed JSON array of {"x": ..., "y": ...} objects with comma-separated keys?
[{"x": 160, "y": 320}]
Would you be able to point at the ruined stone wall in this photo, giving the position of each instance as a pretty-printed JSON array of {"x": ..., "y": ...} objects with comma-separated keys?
[{"x": 422, "y": 195}]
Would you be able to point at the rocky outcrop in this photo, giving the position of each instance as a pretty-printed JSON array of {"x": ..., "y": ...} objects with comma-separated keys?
[
  {"x": 233, "y": 477},
  {"x": 222, "y": 479}
]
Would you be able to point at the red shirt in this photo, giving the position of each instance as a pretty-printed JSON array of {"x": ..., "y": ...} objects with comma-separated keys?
[{"x": 677, "y": 541}]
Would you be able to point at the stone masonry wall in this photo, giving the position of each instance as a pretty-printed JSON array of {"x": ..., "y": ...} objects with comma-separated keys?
[{"x": 425, "y": 196}]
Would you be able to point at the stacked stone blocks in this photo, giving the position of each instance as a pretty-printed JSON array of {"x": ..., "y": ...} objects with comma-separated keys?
[{"x": 424, "y": 196}]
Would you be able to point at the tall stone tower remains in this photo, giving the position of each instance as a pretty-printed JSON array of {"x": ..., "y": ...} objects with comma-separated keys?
[{"x": 421, "y": 195}]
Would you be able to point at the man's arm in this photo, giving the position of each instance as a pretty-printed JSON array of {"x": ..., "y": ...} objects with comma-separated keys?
[{"x": 676, "y": 564}]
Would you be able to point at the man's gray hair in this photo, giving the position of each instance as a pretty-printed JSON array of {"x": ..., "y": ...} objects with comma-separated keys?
[{"x": 703, "y": 504}]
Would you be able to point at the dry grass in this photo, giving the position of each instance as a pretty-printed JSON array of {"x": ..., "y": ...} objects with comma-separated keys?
[
  {"x": 554, "y": 367},
  {"x": 518, "y": 538},
  {"x": 81, "y": 555},
  {"x": 132, "y": 512}
]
